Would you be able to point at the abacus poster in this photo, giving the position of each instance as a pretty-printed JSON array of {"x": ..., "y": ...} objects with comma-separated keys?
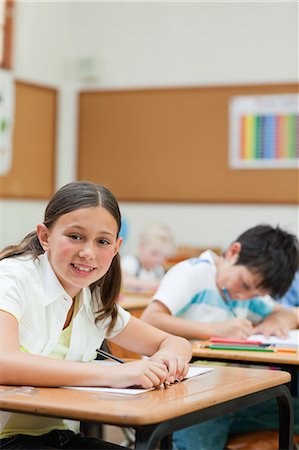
[{"x": 264, "y": 132}]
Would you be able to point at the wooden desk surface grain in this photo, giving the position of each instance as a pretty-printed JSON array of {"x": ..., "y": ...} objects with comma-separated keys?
[
  {"x": 248, "y": 356},
  {"x": 212, "y": 388},
  {"x": 132, "y": 301}
]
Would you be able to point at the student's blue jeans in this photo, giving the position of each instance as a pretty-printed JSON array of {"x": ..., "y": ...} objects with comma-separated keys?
[{"x": 213, "y": 434}]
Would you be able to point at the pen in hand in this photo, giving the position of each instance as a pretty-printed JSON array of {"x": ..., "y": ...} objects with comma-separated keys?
[
  {"x": 227, "y": 301},
  {"x": 108, "y": 355}
]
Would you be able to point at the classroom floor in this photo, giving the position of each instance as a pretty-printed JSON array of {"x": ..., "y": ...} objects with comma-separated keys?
[{"x": 114, "y": 434}]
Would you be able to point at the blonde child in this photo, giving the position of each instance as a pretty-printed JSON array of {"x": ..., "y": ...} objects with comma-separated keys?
[
  {"x": 143, "y": 272},
  {"x": 59, "y": 290}
]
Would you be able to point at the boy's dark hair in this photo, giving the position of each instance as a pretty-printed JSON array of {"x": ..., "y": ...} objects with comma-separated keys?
[{"x": 271, "y": 252}]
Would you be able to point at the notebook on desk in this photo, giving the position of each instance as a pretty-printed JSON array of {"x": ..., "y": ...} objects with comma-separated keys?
[{"x": 292, "y": 339}]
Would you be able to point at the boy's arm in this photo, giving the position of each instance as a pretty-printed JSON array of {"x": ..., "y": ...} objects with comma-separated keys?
[
  {"x": 278, "y": 322},
  {"x": 158, "y": 314},
  {"x": 296, "y": 312}
]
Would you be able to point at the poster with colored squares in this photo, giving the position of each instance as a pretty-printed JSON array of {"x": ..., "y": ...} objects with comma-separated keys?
[{"x": 264, "y": 132}]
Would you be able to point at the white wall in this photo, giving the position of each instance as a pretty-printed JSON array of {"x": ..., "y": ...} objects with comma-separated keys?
[
  {"x": 183, "y": 43},
  {"x": 73, "y": 45}
]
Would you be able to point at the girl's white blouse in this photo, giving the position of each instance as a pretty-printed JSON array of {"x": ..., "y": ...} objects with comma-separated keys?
[{"x": 31, "y": 292}]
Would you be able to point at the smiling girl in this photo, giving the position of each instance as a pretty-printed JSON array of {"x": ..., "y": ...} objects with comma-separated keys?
[{"x": 59, "y": 294}]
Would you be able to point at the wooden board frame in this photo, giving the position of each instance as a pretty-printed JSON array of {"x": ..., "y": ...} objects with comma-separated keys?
[
  {"x": 32, "y": 175},
  {"x": 171, "y": 145}
]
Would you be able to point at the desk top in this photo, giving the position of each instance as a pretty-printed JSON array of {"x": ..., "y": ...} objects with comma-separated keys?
[
  {"x": 243, "y": 355},
  {"x": 135, "y": 300},
  {"x": 220, "y": 385}
]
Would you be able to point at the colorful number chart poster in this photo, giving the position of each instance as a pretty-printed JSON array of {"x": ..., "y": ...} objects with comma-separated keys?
[{"x": 264, "y": 132}]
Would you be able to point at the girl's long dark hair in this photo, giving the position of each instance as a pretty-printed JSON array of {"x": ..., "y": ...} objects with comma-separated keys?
[{"x": 72, "y": 196}]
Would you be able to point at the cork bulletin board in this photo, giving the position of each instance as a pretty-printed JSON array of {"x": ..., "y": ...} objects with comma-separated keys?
[
  {"x": 32, "y": 172},
  {"x": 171, "y": 145}
]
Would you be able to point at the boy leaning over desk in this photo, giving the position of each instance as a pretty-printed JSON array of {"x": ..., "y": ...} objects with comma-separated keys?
[
  {"x": 291, "y": 297},
  {"x": 229, "y": 296}
]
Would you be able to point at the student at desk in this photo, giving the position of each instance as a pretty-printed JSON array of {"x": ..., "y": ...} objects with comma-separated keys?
[
  {"x": 225, "y": 296},
  {"x": 59, "y": 291},
  {"x": 144, "y": 271}
]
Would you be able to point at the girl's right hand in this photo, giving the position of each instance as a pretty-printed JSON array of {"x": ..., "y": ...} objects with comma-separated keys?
[{"x": 144, "y": 373}]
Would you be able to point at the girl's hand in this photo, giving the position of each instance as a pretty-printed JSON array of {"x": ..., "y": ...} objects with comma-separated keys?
[
  {"x": 145, "y": 373},
  {"x": 177, "y": 366}
]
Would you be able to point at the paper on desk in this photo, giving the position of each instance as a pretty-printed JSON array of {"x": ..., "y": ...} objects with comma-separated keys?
[
  {"x": 96, "y": 390},
  {"x": 194, "y": 370},
  {"x": 291, "y": 339}
]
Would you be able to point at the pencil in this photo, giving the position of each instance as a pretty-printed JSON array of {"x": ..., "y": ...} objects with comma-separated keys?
[
  {"x": 227, "y": 301},
  {"x": 285, "y": 350},
  {"x": 108, "y": 355},
  {"x": 246, "y": 348}
]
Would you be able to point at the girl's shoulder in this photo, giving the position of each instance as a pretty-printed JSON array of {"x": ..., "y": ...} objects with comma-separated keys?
[{"x": 19, "y": 267}]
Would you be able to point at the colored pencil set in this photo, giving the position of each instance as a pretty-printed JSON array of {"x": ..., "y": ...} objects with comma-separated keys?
[{"x": 217, "y": 343}]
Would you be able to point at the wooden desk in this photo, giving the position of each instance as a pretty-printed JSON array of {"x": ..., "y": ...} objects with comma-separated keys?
[
  {"x": 288, "y": 361},
  {"x": 135, "y": 302},
  {"x": 156, "y": 414}
]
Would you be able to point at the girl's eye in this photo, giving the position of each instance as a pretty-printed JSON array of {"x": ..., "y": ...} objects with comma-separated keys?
[
  {"x": 75, "y": 237},
  {"x": 103, "y": 242}
]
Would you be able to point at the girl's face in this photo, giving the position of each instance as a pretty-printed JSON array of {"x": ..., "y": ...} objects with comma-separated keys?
[
  {"x": 80, "y": 246},
  {"x": 240, "y": 282}
]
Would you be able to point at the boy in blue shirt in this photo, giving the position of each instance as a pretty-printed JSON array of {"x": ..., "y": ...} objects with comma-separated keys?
[
  {"x": 291, "y": 298},
  {"x": 226, "y": 296}
]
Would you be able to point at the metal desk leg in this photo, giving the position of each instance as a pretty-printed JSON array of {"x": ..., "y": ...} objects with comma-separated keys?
[
  {"x": 149, "y": 436},
  {"x": 91, "y": 429},
  {"x": 153, "y": 437},
  {"x": 166, "y": 442},
  {"x": 286, "y": 420}
]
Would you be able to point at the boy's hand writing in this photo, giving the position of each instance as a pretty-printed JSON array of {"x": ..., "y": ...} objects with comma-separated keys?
[{"x": 236, "y": 328}]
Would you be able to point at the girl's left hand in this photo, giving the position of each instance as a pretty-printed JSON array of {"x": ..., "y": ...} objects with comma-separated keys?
[{"x": 176, "y": 365}]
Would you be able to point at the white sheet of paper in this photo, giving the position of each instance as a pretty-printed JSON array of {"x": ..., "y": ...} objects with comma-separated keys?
[
  {"x": 197, "y": 370},
  {"x": 291, "y": 339},
  {"x": 97, "y": 390},
  {"x": 193, "y": 372}
]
